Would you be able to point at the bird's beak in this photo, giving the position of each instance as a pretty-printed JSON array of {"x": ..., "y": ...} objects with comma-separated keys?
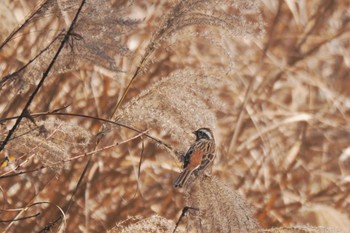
[{"x": 194, "y": 132}]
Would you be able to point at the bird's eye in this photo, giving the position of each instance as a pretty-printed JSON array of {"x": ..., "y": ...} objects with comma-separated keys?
[{"x": 203, "y": 135}]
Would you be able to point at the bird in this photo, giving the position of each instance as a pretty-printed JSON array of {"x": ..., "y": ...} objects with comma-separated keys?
[{"x": 198, "y": 156}]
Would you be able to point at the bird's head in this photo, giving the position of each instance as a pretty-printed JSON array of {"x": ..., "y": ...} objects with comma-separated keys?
[{"x": 204, "y": 133}]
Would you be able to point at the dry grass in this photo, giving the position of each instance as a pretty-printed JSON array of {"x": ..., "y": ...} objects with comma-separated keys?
[
  {"x": 270, "y": 78},
  {"x": 220, "y": 209}
]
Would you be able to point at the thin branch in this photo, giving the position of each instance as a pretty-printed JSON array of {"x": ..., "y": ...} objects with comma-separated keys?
[
  {"x": 26, "y": 208},
  {"x": 240, "y": 118},
  {"x": 102, "y": 149},
  {"x": 70, "y": 202},
  {"x": 45, "y": 75},
  {"x": 55, "y": 113},
  {"x": 31, "y": 156},
  {"x": 9, "y": 76},
  {"x": 20, "y": 219},
  {"x": 21, "y": 172},
  {"x": 30, "y": 17},
  {"x": 183, "y": 213},
  {"x": 141, "y": 158},
  {"x": 7, "y": 175},
  {"x": 148, "y": 52}
]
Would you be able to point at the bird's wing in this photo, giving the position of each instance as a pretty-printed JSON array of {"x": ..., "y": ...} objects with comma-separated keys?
[
  {"x": 187, "y": 156},
  {"x": 207, "y": 159},
  {"x": 194, "y": 162}
]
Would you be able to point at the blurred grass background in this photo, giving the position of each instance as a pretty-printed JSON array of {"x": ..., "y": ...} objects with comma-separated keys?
[{"x": 272, "y": 82}]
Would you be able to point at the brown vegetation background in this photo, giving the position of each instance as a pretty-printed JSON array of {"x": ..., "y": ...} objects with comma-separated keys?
[{"x": 97, "y": 145}]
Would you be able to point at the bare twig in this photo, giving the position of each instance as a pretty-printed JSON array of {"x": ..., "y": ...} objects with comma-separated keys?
[
  {"x": 55, "y": 113},
  {"x": 45, "y": 75}
]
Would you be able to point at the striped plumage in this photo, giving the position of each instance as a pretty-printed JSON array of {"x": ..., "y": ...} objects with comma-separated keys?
[{"x": 198, "y": 157}]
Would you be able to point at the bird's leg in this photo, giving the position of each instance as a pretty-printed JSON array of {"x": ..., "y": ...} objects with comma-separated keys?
[{"x": 184, "y": 211}]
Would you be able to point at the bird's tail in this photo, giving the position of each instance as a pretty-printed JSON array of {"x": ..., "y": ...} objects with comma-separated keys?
[{"x": 182, "y": 178}]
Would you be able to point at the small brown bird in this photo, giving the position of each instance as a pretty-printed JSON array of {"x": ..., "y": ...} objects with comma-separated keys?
[{"x": 198, "y": 157}]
